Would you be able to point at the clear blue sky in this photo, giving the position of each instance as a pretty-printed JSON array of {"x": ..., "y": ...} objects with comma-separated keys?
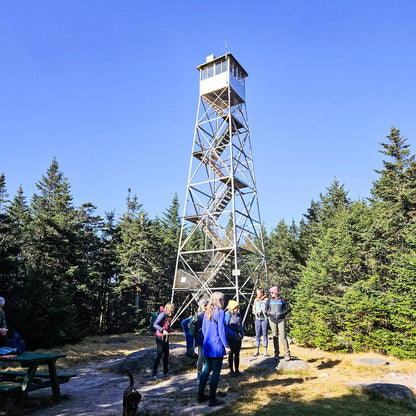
[{"x": 110, "y": 88}]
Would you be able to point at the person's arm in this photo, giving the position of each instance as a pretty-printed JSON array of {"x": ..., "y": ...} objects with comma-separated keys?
[
  {"x": 221, "y": 327},
  {"x": 267, "y": 306},
  {"x": 227, "y": 321},
  {"x": 160, "y": 318},
  {"x": 185, "y": 325},
  {"x": 286, "y": 306}
]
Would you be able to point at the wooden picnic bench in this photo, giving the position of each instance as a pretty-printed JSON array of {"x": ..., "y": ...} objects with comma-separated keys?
[{"x": 23, "y": 382}]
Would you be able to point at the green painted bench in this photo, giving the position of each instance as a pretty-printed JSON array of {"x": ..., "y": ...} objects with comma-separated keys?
[{"x": 25, "y": 381}]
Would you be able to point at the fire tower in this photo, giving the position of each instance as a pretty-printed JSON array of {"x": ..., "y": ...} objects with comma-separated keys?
[{"x": 221, "y": 245}]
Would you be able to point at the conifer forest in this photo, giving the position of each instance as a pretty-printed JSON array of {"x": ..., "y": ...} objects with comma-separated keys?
[{"x": 348, "y": 269}]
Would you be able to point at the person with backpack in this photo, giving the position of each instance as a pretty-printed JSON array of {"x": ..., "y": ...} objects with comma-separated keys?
[
  {"x": 261, "y": 320},
  {"x": 277, "y": 308},
  {"x": 163, "y": 330},
  {"x": 189, "y": 338},
  {"x": 215, "y": 346},
  {"x": 195, "y": 328},
  {"x": 235, "y": 334},
  {"x": 153, "y": 318}
]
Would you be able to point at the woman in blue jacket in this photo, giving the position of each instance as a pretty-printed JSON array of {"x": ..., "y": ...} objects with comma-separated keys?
[{"x": 215, "y": 347}]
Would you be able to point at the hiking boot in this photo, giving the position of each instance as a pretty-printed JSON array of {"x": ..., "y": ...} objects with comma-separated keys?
[
  {"x": 233, "y": 373},
  {"x": 215, "y": 402},
  {"x": 202, "y": 399},
  {"x": 165, "y": 375},
  {"x": 256, "y": 353},
  {"x": 266, "y": 354},
  {"x": 155, "y": 377},
  {"x": 287, "y": 357}
]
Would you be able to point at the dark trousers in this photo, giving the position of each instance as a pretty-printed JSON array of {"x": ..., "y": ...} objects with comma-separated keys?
[
  {"x": 213, "y": 364},
  {"x": 162, "y": 350},
  {"x": 3, "y": 341},
  {"x": 234, "y": 356}
]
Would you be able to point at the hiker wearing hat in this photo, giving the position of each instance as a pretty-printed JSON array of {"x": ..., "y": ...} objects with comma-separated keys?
[
  {"x": 277, "y": 308},
  {"x": 261, "y": 322},
  {"x": 235, "y": 333}
]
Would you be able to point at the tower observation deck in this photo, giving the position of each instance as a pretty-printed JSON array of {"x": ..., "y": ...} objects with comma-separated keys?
[{"x": 221, "y": 244}]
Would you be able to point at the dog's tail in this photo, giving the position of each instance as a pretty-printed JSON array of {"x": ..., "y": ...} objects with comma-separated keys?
[{"x": 131, "y": 378}]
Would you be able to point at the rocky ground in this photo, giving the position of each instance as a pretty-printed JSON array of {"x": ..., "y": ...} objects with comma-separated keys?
[{"x": 98, "y": 387}]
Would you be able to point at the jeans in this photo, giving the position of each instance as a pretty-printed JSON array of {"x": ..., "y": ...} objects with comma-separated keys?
[
  {"x": 201, "y": 360},
  {"x": 261, "y": 328},
  {"x": 213, "y": 364}
]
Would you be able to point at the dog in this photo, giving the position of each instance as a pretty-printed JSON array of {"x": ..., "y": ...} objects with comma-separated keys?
[{"x": 131, "y": 398}]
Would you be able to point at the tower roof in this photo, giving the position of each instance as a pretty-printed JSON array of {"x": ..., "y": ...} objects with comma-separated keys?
[{"x": 211, "y": 59}]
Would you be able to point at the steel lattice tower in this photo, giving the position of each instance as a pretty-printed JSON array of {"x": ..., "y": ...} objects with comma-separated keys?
[{"x": 221, "y": 211}]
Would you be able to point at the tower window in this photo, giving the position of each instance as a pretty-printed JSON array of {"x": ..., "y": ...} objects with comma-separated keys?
[
  {"x": 210, "y": 70},
  {"x": 220, "y": 67}
]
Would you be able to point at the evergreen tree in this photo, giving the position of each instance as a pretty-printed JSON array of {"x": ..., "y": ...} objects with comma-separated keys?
[
  {"x": 283, "y": 258},
  {"x": 139, "y": 265},
  {"x": 108, "y": 270},
  {"x": 391, "y": 249},
  {"x": 8, "y": 244},
  {"x": 53, "y": 267},
  {"x": 19, "y": 220},
  {"x": 334, "y": 264}
]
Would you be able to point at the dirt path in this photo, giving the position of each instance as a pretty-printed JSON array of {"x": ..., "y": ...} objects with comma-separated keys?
[
  {"x": 99, "y": 393},
  {"x": 94, "y": 392}
]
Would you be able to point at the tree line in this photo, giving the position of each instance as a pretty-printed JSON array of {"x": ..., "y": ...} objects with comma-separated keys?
[{"x": 348, "y": 268}]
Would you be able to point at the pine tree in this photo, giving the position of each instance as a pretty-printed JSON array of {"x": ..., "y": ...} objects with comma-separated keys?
[
  {"x": 8, "y": 249},
  {"x": 283, "y": 258},
  {"x": 19, "y": 221},
  {"x": 335, "y": 262},
  {"x": 52, "y": 263}
]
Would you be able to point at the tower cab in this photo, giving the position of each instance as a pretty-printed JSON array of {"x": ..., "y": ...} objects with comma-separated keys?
[{"x": 216, "y": 75}]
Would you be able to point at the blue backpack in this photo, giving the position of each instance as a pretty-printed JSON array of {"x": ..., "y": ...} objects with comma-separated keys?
[
  {"x": 15, "y": 341},
  {"x": 153, "y": 320}
]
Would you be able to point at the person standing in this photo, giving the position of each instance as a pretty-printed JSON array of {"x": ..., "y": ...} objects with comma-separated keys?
[
  {"x": 199, "y": 336},
  {"x": 215, "y": 346},
  {"x": 277, "y": 308},
  {"x": 162, "y": 326},
  {"x": 190, "y": 339},
  {"x": 235, "y": 334},
  {"x": 261, "y": 320},
  {"x": 3, "y": 325}
]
